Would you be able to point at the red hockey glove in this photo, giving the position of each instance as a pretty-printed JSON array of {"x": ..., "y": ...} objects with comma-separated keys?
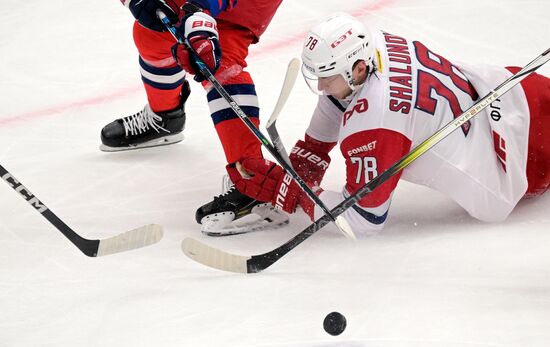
[
  {"x": 200, "y": 30},
  {"x": 310, "y": 159},
  {"x": 266, "y": 181}
]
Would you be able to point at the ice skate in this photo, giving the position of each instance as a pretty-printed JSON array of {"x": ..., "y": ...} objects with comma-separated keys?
[
  {"x": 146, "y": 128},
  {"x": 234, "y": 213}
]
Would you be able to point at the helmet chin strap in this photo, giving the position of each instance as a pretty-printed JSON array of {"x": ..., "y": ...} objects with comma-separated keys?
[{"x": 355, "y": 87}]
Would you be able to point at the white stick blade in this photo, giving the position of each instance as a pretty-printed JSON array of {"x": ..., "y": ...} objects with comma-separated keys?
[
  {"x": 345, "y": 228},
  {"x": 214, "y": 257},
  {"x": 136, "y": 238},
  {"x": 288, "y": 83}
]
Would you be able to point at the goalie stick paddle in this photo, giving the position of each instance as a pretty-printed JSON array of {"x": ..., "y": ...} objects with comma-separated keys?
[
  {"x": 136, "y": 238},
  {"x": 342, "y": 225},
  {"x": 226, "y": 261}
]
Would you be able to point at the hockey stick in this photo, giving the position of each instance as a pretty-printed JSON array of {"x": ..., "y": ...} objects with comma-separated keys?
[
  {"x": 340, "y": 223},
  {"x": 136, "y": 238},
  {"x": 290, "y": 79},
  {"x": 222, "y": 260},
  {"x": 288, "y": 84}
]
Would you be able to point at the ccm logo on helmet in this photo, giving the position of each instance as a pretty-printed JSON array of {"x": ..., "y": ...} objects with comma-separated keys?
[{"x": 341, "y": 39}]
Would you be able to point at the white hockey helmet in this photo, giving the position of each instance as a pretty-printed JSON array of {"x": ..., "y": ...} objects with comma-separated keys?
[{"x": 333, "y": 47}]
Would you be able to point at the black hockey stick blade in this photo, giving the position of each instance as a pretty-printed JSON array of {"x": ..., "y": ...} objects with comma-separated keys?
[{"x": 136, "y": 238}]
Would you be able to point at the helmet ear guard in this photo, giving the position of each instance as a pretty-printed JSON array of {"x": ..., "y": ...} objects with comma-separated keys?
[{"x": 334, "y": 47}]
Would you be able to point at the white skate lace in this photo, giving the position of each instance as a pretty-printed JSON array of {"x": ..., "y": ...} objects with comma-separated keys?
[
  {"x": 224, "y": 195},
  {"x": 141, "y": 121}
]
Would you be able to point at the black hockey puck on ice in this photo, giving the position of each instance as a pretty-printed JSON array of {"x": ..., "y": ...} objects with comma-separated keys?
[{"x": 334, "y": 323}]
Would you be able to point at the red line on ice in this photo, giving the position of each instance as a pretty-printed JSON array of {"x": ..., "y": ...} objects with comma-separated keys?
[
  {"x": 26, "y": 116},
  {"x": 359, "y": 12},
  {"x": 263, "y": 49}
]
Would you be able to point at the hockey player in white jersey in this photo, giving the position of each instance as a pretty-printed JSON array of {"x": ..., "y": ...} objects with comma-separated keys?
[{"x": 383, "y": 94}]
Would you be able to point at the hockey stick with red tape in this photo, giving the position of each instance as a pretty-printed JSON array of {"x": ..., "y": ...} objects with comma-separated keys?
[
  {"x": 226, "y": 261},
  {"x": 136, "y": 238},
  {"x": 340, "y": 222}
]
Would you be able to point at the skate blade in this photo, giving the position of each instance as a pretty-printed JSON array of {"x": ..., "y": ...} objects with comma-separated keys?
[
  {"x": 163, "y": 141},
  {"x": 263, "y": 217}
]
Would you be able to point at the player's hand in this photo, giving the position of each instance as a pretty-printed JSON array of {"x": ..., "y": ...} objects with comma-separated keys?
[
  {"x": 266, "y": 181},
  {"x": 145, "y": 11},
  {"x": 310, "y": 159},
  {"x": 199, "y": 29}
]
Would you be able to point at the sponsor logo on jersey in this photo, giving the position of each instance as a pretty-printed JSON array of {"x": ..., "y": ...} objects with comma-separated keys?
[
  {"x": 500, "y": 149},
  {"x": 361, "y": 106},
  {"x": 31, "y": 199},
  {"x": 363, "y": 148},
  {"x": 495, "y": 110}
]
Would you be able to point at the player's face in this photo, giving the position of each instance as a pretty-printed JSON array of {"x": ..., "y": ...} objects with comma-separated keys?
[{"x": 335, "y": 86}]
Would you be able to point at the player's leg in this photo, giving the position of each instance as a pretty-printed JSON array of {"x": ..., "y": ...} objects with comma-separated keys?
[
  {"x": 162, "y": 120},
  {"x": 236, "y": 139},
  {"x": 234, "y": 135},
  {"x": 537, "y": 91}
]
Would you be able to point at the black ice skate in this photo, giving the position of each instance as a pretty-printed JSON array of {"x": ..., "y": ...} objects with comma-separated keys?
[
  {"x": 146, "y": 128},
  {"x": 234, "y": 213}
]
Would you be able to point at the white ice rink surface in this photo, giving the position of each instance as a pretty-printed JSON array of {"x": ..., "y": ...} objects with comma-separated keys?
[{"x": 434, "y": 277}]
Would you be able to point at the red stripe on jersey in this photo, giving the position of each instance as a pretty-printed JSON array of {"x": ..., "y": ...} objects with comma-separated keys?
[
  {"x": 500, "y": 149},
  {"x": 368, "y": 153},
  {"x": 537, "y": 91}
]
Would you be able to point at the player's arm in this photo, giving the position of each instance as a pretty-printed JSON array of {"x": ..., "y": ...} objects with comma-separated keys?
[
  {"x": 194, "y": 23},
  {"x": 199, "y": 28},
  {"x": 266, "y": 181},
  {"x": 214, "y": 7},
  {"x": 145, "y": 11},
  {"x": 310, "y": 157},
  {"x": 368, "y": 153}
]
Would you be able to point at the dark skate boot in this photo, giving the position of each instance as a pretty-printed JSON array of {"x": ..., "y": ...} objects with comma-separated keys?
[
  {"x": 146, "y": 128},
  {"x": 235, "y": 213}
]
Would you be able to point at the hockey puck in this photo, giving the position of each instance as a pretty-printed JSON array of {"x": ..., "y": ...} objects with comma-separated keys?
[{"x": 334, "y": 323}]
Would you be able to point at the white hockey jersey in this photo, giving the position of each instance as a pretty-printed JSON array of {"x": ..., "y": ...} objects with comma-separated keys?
[{"x": 414, "y": 93}]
